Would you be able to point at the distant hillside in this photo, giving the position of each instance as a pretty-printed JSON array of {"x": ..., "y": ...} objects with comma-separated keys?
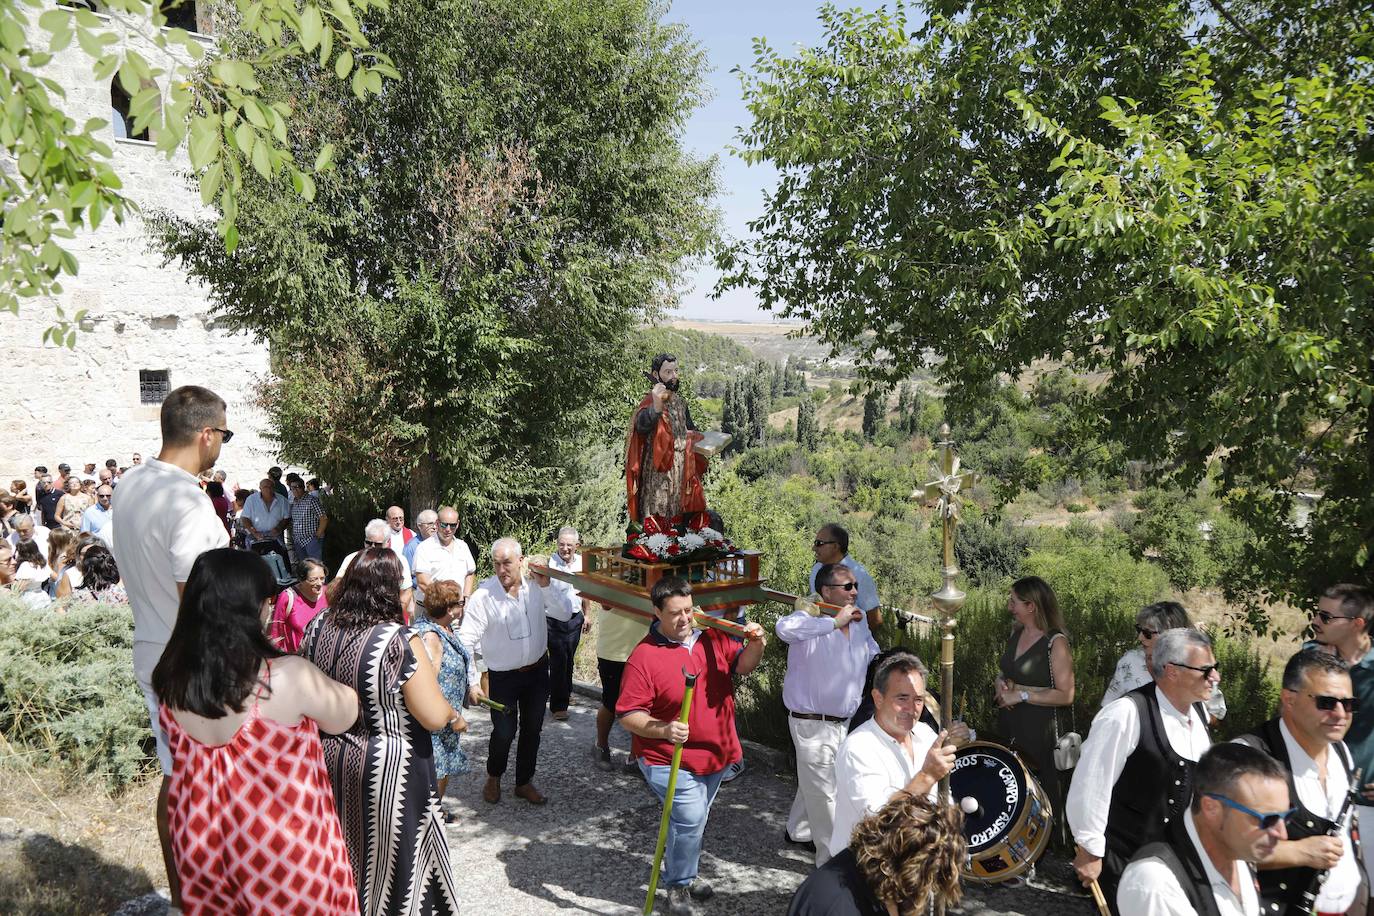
[
  {"x": 699, "y": 351},
  {"x": 769, "y": 341}
]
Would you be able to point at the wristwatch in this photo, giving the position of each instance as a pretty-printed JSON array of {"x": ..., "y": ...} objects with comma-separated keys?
[{"x": 1025, "y": 697}]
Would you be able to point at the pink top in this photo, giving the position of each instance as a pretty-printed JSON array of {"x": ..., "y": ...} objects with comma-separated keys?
[{"x": 291, "y": 616}]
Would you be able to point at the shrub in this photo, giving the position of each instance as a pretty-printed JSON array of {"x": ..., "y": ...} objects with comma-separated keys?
[{"x": 67, "y": 689}]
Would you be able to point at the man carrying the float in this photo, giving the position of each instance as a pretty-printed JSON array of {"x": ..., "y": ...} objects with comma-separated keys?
[
  {"x": 662, "y": 472},
  {"x": 1317, "y": 858},
  {"x": 1135, "y": 775}
]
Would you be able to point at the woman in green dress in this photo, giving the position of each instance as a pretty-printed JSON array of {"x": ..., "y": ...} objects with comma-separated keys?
[{"x": 1036, "y": 680}]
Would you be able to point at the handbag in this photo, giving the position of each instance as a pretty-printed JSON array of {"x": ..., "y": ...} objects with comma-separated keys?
[{"x": 1068, "y": 747}]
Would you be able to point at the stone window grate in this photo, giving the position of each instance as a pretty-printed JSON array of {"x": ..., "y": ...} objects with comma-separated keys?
[{"x": 153, "y": 386}]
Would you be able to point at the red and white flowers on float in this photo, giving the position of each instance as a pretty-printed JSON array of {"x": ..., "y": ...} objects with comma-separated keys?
[{"x": 676, "y": 540}]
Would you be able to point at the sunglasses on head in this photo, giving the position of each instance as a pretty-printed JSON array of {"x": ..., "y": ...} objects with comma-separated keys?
[
  {"x": 1266, "y": 821},
  {"x": 847, "y": 586},
  {"x": 1147, "y": 632},
  {"x": 1325, "y": 618},
  {"x": 1327, "y": 703}
]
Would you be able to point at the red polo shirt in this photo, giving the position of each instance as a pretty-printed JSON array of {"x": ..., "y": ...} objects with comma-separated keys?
[{"x": 653, "y": 682}]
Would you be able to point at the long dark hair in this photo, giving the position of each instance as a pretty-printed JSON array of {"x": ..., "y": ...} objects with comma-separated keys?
[
  {"x": 211, "y": 662},
  {"x": 98, "y": 568},
  {"x": 369, "y": 592}
]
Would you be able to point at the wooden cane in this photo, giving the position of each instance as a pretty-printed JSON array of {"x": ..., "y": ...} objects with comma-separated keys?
[{"x": 691, "y": 680}]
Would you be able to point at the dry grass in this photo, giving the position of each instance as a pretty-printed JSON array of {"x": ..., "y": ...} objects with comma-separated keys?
[{"x": 70, "y": 847}]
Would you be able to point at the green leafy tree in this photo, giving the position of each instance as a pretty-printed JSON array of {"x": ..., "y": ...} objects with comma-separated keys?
[
  {"x": 1198, "y": 240},
  {"x": 63, "y": 180},
  {"x": 453, "y": 318},
  {"x": 808, "y": 429},
  {"x": 873, "y": 415}
]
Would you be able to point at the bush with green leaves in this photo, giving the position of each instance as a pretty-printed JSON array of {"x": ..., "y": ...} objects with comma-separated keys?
[{"x": 67, "y": 690}]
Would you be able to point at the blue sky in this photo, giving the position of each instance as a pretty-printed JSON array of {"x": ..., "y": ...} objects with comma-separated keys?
[{"x": 727, "y": 31}]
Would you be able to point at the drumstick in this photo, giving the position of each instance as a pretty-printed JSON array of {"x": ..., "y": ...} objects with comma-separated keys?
[{"x": 1100, "y": 900}]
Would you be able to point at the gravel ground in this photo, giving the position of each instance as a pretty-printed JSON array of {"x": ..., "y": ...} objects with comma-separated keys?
[{"x": 590, "y": 848}]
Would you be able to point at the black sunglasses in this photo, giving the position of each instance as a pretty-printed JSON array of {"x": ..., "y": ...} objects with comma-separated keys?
[
  {"x": 447, "y": 524},
  {"x": 1324, "y": 617},
  {"x": 1205, "y": 669},
  {"x": 374, "y": 543},
  {"x": 1147, "y": 632},
  {"x": 226, "y": 433},
  {"x": 847, "y": 586},
  {"x": 819, "y": 543},
  {"x": 1327, "y": 703}
]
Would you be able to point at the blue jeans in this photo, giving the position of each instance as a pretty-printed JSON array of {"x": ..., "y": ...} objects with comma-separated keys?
[{"x": 692, "y": 798}]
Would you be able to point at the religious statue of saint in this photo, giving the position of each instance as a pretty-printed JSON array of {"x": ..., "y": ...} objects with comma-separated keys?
[{"x": 663, "y": 470}]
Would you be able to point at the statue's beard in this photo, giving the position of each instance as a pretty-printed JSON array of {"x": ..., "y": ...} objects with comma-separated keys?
[{"x": 671, "y": 386}]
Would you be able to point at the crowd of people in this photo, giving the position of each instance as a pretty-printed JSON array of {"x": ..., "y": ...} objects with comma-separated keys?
[{"x": 344, "y": 700}]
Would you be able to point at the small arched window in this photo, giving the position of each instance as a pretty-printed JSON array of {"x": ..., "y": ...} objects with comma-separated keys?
[
  {"x": 120, "y": 119},
  {"x": 181, "y": 14}
]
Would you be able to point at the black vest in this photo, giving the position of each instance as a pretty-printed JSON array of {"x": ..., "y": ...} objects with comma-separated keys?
[
  {"x": 1179, "y": 854},
  {"x": 1155, "y": 786},
  {"x": 1281, "y": 889}
]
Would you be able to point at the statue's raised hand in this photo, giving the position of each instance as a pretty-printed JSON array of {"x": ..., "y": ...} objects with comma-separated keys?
[{"x": 660, "y": 394}]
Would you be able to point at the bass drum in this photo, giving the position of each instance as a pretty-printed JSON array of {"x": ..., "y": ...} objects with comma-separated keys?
[{"x": 1007, "y": 816}]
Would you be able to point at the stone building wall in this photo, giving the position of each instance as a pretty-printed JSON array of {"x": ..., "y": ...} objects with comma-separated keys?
[{"x": 84, "y": 405}]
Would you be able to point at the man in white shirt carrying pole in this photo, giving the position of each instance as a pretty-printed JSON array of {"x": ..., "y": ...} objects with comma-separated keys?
[
  {"x": 1315, "y": 712},
  {"x": 165, "y": 523},
  {"x": 827, "y": 658},
  {"x": 890, "y": 753},
  {"x": 1135, "y": 774},
  {"x": 505, "y": 619},
  {"x": 1203, "y": 866}
]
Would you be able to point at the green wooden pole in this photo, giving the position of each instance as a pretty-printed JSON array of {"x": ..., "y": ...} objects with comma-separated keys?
[{"x": 668, "y": 796}]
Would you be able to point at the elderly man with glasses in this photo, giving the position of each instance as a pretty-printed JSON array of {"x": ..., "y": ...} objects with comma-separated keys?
[
  {"x": 375, "y": 535},
  {"x": 1341, "y": 624},
  {"x": 827, "y": 658},
  {"x": 96, "y": 519},
  {"x": 832, "y": 546},
  {"x": 426, "y": 523},
  {"x": 1315, "y": 711},
  {"x": 1136, "y": 771}
]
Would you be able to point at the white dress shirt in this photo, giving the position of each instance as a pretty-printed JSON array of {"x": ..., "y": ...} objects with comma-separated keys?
[
  {"x": 1114, "y": 736},
  {"x": 565, "y": 603},
  {"x": 825, "y": 667},
  {"x": 870, "y": 768},
  {"x": 1342, "y": 883},
  {"x": 1149, "y": 887},
  {"x": 453, "y": 563},
  {"x": 866, "y": 598},
  {"x": 1131, "y": 673},
  {"x": 509, "y": 630}
]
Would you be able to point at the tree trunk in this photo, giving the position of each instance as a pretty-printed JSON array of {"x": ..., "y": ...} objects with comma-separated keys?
[{"x": 424, "y": 483}]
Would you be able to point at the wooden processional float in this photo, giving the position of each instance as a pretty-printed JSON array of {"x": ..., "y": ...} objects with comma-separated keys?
[{"x": 1007, "y": 816}]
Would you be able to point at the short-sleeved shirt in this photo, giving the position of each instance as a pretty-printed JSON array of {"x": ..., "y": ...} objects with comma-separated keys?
[
  {"x": 867, "y": 597},
  {"x": 263, "y": 517},
  {"x": 654, "y": 683},
  {"x": 305, "y": 518},
  {"x": 165, "y": 523},
  {"x": 348, "y": 561},
  {"x": 453, "y": 563},
  {"x": 97, "y": 521}
]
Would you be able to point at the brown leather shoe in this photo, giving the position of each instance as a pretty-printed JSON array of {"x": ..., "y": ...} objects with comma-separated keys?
[
  {"x": 491, "y": 792},
  {"x": 561, "y": 715},
  {"x": 530, "y": 794}
]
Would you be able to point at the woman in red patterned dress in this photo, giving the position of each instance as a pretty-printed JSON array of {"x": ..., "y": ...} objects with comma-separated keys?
[{"x": 252, "y": 816}]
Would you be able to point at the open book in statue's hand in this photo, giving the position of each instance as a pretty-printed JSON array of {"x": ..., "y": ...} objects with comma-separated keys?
[{"x": 711, "y": 444}]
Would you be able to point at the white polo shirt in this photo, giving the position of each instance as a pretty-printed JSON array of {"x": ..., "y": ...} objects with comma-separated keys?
[
  {"x": 165, "y": 523},
  {"x": 453, "y": 563}
]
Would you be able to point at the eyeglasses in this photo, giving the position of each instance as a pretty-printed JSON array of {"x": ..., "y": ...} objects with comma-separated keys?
[
  {"x": 1205, "y": 669},
  {"x": 1266, "y": 821},
  {"x": 847, "y": 586},
  {"x": 1147, "y": 632},
  {"x": 374, "y": 543},
  {"x": 1327, "y": 703},
  {"x": 447, "y": 524},
  {"x": 1324, "y": 617},
  {"x": 819, "y": 543},
  {"x": 226, "y": 433},
  {"x": 104, "y": 495}
]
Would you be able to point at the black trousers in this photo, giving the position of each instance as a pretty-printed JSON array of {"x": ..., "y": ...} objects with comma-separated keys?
[
  {"x": 524, "y": 694},
  {"x": 563, "y": 640}
]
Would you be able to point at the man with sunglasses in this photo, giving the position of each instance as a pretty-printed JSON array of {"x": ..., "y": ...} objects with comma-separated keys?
[
  {"x": 96, "y": 518},
  {"x": 1135, "y": 774},
  {"x": 1203, "y": 864},
  {"x": 1314, "y": 715},
  {"x": 445, "y": 557},
  {"x": 1342, "y": 624},
  {"x": 375, "y": 535},
  {"x": 832, "y": 546},
  {"x": 827, "y": 658}
]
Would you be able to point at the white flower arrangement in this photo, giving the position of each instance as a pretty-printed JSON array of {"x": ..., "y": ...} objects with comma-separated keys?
[
  {"x": 690, "y": 541},
  {"x": 658, "y": 544}
]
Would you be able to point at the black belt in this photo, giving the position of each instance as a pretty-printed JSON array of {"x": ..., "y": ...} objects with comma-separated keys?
[
  {"x": 816, "y": 717},
  {"x": 535, "y": 664}
]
